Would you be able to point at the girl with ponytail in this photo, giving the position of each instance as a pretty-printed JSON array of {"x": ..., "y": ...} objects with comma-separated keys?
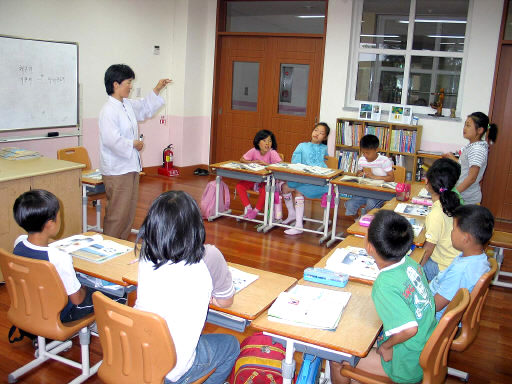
[
  {"x": 439, "y": 251},
  {"x": 473, "y": 157}
]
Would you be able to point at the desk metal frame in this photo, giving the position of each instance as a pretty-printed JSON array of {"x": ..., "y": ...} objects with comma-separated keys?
[
  {"x": 240, "y": 175},
  {"x": 306, "y": 179}
]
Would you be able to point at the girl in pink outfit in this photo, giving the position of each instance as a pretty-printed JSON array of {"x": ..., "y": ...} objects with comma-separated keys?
[{"x": 264, "y": 153}]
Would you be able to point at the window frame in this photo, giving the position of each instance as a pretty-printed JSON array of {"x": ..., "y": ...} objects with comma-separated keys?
[{"x": 407, "y": 53}]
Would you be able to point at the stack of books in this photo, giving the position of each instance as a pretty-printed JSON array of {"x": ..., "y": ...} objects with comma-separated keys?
[{"x": 355, "y": 262}]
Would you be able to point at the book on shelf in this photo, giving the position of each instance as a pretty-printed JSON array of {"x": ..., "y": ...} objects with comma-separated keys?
[
  {"x": 353, "y": 261},
  {"x": 368, "y": 181},
  {"x": 436, "y": 153},
  {"x": 241, "y": 279},
  {"x": 348, "y": 133},
  {"x": 403, "y": 141},
  {"x": 347, "y": 161},
  {"x": 413, "y": 209},
  {"x": 381, "y": 132},
  {"x": 311, "y": 307},
  {"x": 91, "y": 248}
]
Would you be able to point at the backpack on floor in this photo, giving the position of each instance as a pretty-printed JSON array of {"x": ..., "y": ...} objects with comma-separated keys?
[
  {"x": 208, "y": 199},
  {"x": 259, "y": 361}
]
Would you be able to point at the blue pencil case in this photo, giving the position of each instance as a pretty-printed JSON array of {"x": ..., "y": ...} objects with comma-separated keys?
[{"x": 325, "y": 276}]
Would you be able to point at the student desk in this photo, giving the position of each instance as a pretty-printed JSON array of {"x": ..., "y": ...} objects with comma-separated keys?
[
  {"x": 60, "y": 177},
  {"x": 353, "y": 188},
  {"x": 262, "y": 176},
  {"x": 90, "y": 182},
  {"x": 249, "y": 302},
  {"x": 282, "y": 173},
  {"x": 359, "y": 230},
  {"x": 356, "y": 333}
]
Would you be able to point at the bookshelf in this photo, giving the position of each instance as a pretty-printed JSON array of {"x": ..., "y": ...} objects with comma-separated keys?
[{"x": 401, "y": 142}]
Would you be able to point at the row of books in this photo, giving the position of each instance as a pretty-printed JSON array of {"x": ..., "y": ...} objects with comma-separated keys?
[
  {"x": 348, "y": 133},
  {"x": 403, "y": 141},
  {"x": 347, "y": 161}
]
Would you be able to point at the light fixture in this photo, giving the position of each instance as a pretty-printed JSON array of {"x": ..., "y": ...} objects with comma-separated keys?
[
  {"x": 447, "y": 37},
  {"x": 311, "y": 16},
  {"x": 434, "y": 21},
  {"x": 384, "y": 36}
]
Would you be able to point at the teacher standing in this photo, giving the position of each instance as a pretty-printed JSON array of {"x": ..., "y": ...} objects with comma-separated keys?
[{"x": 120, "y": 146}]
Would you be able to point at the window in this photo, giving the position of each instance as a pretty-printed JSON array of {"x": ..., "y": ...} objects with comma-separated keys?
[{"x": 407, "y": 52}]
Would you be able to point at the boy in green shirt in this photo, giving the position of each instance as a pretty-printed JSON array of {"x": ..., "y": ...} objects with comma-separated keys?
[{"x": 403, "y": 302}]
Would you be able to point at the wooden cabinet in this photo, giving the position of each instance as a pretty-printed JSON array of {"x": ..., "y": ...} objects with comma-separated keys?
[
  {"x": 398, "y": 141},
  {"x": 62, "y": 178}
]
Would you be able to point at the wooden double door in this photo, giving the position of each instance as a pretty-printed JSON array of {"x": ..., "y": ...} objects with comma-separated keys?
[{"x": 265, "y": 82}]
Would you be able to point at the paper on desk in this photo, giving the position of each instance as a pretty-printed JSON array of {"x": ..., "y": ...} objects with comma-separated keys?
[
  {"x": 246, "y": 166},
  {"x": 241, "y": 279},
  {"x": 353, "y": 261},
  {"x": 313, "y": 169},
  {"x": 413, "y": 209},
  {"x": 310, "y": 307}
]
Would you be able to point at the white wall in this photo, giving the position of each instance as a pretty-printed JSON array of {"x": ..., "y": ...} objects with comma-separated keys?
[{"x": 476, "y": 85}]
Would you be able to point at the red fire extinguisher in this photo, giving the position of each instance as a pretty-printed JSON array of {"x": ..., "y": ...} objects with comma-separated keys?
[{"x": 168, "y": 163}]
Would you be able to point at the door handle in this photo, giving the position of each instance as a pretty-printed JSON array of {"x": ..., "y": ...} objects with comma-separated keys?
[{"x": 220, "y": 111}]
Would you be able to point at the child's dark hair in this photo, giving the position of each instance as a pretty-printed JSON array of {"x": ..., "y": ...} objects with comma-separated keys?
[
  {"x": 481, "y": 120},
  {"x": 262, "y": 135},
  {"x": 172, "y": 231},
  {"x": 33, "y": 209},
  {"x": 442, "y": 177},
  {"x": 327, "y": 130},
  {"x": 369, "y": 142},
  {"x": 476, "y": 220},
  {"x": 117, "y": 73},
  {"x": 390, "y": 234}
]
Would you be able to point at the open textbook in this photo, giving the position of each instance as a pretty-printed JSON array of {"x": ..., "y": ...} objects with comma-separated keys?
[
  {"x": 246, "y": 166},
  {"x": 241, "y": 279},
  {"x": 91, "y": 248},
  {"x": 311, "y": 307},
  {"x": 313, "y": 169},
  {"x": 413, "y": 209},
  {"x": 353, "y": 261},
  {"x": 417, "y": 223},
  {"x": 368, "y": 181}
]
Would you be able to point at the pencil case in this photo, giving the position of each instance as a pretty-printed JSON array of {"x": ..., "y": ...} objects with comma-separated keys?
[
  {"x": 422, "y": 201},
  {"x": 365, "y": 220},
  {"x": 325, "y": 276}
]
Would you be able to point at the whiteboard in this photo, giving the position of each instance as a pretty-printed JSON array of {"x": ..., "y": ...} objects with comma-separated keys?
[{"x": 38, "y": 83}]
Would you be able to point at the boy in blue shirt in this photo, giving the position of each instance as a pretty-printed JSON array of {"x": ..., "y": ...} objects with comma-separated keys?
[
  {"x": 403, "y": 302},
  {"x": 472, "y": 230}
]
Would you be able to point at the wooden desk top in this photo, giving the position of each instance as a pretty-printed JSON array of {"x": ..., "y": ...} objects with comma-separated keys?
[
  {"x": 112, "y": 270},
  {"x": 356, "y": 333},
  {"x": 358, "y": 230},
  {"x": 20, "y": 169},
  {"x": 415, "y": 189},
  {"x": 262, "y": 172},
  {"x": 253, "y": 299},
  {"x": 334, "y": 173}
]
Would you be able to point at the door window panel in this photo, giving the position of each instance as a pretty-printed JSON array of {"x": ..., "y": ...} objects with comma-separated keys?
[
  {"x": 293, "y": 89},
  {"x": 244, "y": 95}
]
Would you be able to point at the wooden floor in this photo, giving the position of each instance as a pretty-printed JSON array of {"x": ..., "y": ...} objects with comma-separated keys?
[{"x": 488, "y": 360}]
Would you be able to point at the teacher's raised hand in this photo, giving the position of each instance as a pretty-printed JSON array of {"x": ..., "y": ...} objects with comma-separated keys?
[{"x": 161, "y": 85}]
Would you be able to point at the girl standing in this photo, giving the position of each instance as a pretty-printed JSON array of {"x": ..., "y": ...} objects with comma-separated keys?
[
  {"x": 311, "y": 153},
  {"x": 473, "y": 157}
]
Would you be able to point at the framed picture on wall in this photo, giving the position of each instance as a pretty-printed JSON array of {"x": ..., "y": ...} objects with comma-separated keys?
[
  {"x": 400, "y": 114},
  {"x": 370, "y": 111}
]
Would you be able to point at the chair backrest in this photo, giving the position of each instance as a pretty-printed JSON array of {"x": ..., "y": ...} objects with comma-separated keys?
[
  {"x": 399, "y": 173},
  {"x": 332, "y": 162},
  {"x": 281, "y": 155},
  {"x": 76, "y": 155},
  {"x": 137, "y": 346},
  {"x": 471, "y": 317},
  {"x": 37, "y": 295},
  {"x": 434, "y": 358}
]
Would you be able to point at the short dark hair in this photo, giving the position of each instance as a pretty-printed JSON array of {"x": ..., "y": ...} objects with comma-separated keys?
[
  {"x": 262, "y": 135},
  {"x": 117, "y": 73},
  {"x": 390, "y": 234},
  {"x": 476, "y": 220},
  {"x": 173, "y": 230},
  {"x": 369, "y": 142},
  {"x": 442, "y": 177},
  {"x": 33, "y": 209},
  {"x": 327, "y": 130}
]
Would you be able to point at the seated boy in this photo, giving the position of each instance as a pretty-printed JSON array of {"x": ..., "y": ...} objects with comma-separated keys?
[
  {"x": 373, "y": 165},
  {"x": 403, "y": 302},
  {"x": 472, "y": 230},
  {"x": 38, "y": 212},
  {"x": 223, "y": 289}
]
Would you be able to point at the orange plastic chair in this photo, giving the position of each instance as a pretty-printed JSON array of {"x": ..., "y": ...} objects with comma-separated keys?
[
  {"x": 80, "y": 155},
  {"x": 37, "y": 299},
  {"x": 137, "y": 346},
  {"x": 434, "y": 357},
  {"x": 471, "y": 318}
]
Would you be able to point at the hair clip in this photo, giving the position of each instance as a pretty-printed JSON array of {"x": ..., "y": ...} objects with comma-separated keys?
[{"x": 441, "y": 190}]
